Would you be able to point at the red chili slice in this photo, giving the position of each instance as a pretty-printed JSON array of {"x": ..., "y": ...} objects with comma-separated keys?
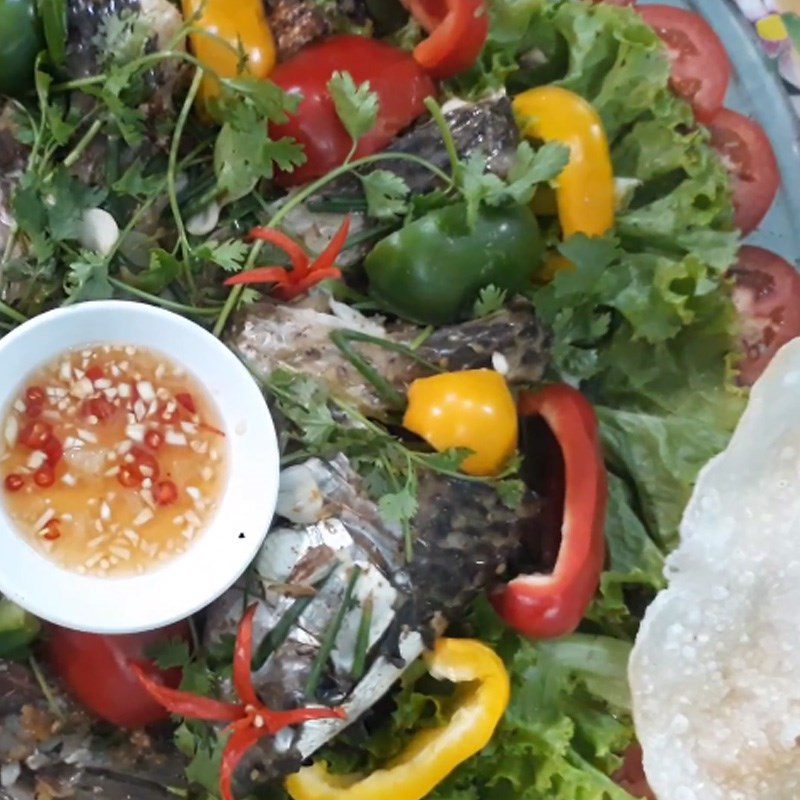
[
  {"x": 14, "y": 482},
  {"x": 45, "y": 476},
  {"x": 165, "y": 493},
  {"x": 99, "y": 407},
  {"x": 34, "y": 410},
  {"x": 53, "y": 449},
  {"x": 34, "y": 394},
  {"x": 154, "y": 439},
  {"x": 35, "y": 434},
  {"x": 51, "y": 531},
  {"x": 187, "y": 401},
  {"x": 95, "y": 373}
]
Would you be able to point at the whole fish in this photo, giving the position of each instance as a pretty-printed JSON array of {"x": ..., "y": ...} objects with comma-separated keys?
[
  {"x": 52, "y": 749},
  {"x": 350, "y": 559},
  {"x": 270, "y": 335}
]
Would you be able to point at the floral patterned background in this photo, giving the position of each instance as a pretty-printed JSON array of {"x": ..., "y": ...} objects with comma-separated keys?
[{"x": 777, "y": 23}]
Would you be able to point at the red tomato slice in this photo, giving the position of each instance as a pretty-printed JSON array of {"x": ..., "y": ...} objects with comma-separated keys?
[
  {"x": 458, "y": 31},
  {"x": 96, "y": 671},
  {"x": 701, "y": 69},
  {"x": 767, "y": 297},
  {"x": 630, "y": 775},
  {"x": 749, "y": 157},
  {"x": 401, "y": 85}
]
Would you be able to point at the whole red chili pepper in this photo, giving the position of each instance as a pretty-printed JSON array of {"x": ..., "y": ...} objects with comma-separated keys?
[
  {"x": 250, "y": 721},
  {"x": 304, "y": 274},
  {"x": 550, "y": 605}
]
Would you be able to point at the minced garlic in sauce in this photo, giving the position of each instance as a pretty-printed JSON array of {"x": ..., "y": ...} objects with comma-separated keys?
[{"x": 112, "y": 460}]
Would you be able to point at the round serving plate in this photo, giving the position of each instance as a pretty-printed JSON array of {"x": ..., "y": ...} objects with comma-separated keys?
[{"x": 757, "y": 91}]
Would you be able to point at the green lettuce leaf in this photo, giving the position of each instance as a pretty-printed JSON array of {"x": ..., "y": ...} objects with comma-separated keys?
[{"x": 567, "y": 723}]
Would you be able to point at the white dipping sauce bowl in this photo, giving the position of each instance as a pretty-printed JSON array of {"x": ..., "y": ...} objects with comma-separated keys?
[{"x": 233, "y": 536}]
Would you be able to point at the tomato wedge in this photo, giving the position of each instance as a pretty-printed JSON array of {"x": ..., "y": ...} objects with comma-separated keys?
[
  {"x": 400, "y": 83},
  {"x": 701, "y": 69},
  {"x": 97, "y": 671},
  {"x": 767, "y": 297},
  {"x": 748, "y": 155},
  {"x": 457, "y": 33}
]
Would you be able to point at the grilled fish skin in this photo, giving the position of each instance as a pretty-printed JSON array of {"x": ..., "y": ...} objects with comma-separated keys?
[
  {"x": 42, "y": 755},
  {"x": 462, "y": 530},
  {"x": 271, "y": 335}
]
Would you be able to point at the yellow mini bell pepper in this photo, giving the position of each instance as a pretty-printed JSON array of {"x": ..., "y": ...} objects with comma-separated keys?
[
  {"x": 480, "y": 700},
  {"x": 473, "y": 409},
  {"x": 585, "y": 190},
  {"x": 225, "y": 30}
]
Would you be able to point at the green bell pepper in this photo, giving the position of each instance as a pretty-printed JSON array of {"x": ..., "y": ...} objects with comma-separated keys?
[
  {"x": 20, "y": 43},
  {"x": 432, "y": 270}
]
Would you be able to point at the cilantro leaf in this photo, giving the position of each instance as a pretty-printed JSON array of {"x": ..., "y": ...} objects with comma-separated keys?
[
  {"x": 229, "y": 255},
  {"x": 244, "y": 154},
  {"x": 398, "y": 506},
  {"x": 87, "y": 278},
  {"x": 531, "y": 168},
  {"x": 356, "y": 106},
  {"x": 386, "y": 193},
  {"x": 163, "y": 270},
  {"x": 490, "y": 299},
  {"x": 134, "y": 183},
  {"x": 170, "y": 654}
]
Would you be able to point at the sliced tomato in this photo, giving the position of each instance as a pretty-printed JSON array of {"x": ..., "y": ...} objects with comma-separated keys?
[
  {"x": 748, "y": 155},
  {"x": 400, "y": 83},
  {"x": 630, "y": 775},
  {"x": 701, "y": 69},
  {"x": 457, "y": 33},
  {"x": 767, "y": 296},
  {"x": 96, "y": 670}
]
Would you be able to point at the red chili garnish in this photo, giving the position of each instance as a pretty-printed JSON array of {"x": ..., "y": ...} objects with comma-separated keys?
[
  {"x": 129, "y": 476},
  {"x": 154, "y": 439},
  {"x": 34, "y": 394},
  {"x": 44, "y": 476},
  {"x": 51, "y": 531},
  {"x": 187, "y": 401},
  {"x": 250, "y": 720},
  {"x": 99, "y": 407},
  {"x": 34, "y": 410},
  {"x": 95, "y": 373},
  {"x": 14, "y": 482},
  {"x": 35, "y": 434},
  {"x": 144, "y": 465},
  {"x": 204, "y": 426},
  {"x": 53, "y": 449},
  {"x": 165, "y": 493},
  {"x": 288, "y": 284}
]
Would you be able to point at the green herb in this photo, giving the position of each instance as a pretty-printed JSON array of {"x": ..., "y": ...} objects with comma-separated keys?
[
  {"x": 362, "y": 640},
  {"x": 329, "y": 640},
  {"x": 356, "y": 106},
  {"x": 490, "y": 300},
  {"x": 386, "y": 193}
]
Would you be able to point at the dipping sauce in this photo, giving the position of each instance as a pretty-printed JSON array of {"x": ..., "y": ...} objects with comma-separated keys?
[{"x": 112, "y": 460}]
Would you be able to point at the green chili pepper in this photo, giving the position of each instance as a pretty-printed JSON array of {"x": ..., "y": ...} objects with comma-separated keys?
[
  {"x": 19, "y": 45},
  {"x": 432, "y": 270}
]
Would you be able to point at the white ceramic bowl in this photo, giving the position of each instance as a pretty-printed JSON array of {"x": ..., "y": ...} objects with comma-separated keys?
[{"x": 220, "y": 555}]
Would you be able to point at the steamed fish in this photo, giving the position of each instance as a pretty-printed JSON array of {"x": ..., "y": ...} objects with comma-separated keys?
[
  {"x": 271, "y": 335},
  {"x": 350, "y": 558}
]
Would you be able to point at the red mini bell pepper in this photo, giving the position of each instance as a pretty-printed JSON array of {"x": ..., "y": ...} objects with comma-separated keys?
[
  {"x": 457, "y": 33},
  {"x": 551, "y": 605},
  {"x": 250, "y": 720}
]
